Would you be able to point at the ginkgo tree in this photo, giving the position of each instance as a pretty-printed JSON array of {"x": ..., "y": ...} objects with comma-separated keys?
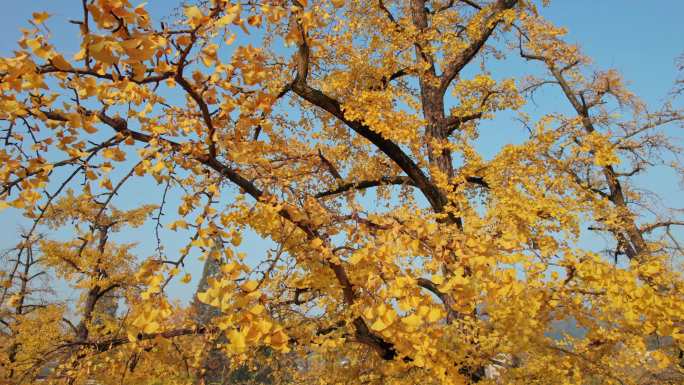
[{"x": 345, "y": 133}]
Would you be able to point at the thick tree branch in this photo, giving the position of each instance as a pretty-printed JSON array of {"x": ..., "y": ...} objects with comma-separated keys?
[
  {"x": 453, "y": 123},
  {"x": 386, "y": 80}
]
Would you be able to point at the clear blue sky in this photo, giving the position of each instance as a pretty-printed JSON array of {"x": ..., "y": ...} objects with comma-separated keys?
[{"x": 641, "y": 39}]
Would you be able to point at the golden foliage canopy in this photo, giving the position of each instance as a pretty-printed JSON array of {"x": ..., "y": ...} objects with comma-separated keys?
[{"x": 280, "y": 118}]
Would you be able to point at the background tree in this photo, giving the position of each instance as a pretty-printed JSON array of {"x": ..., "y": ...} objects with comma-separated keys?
[{"x": 461, "y": 266}]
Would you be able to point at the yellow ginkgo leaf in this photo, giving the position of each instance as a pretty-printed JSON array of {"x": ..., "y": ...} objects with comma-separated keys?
[
  {"x": 226, "y": 19},
  {"x": 250, "y": 285},
  {"x": 155, "y": 280},
  {"x": 151, "y": 327},
  {"x": 132, "y": 336},
  {"x": 379, "y": 326},
  {"x": 224, "y": 324},
  {"x": 186, "y": 278},
  {"x": 264, "y": 326},
  {"x": 194, "y": 15},
  {"x": 158, "y": 167},
  {"x": 203, "y": 297},
  {"x": 106, "y": 183},
  {"x": 434, "y": 314},
  {"x": 101, "y": 51},
  {"x": 412, "y": 320},
  {"x": 279, "y": 338},
  {"x": 257, "y": 309},
  {"x": 228, "y": 267},
  {"x": 355, "y": 258},
  {"x": 60, "y": 63},
  {"x": 438, "y": 279},
  {"x": 316, "y": 243},
  {"x": 237, "y": 340},
  {"x": 40, "y": 17}
]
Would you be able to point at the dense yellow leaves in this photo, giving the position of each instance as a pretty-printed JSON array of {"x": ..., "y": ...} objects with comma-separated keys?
[
  {"x": 242, "y": 328},
  {"x": 103, "y": 50},
  {"x": 602, "y": 149},
  {"x": 324, "y": 161}
]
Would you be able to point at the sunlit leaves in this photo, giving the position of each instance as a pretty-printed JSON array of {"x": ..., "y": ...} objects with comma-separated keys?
[
  {"x": 353, "y": 273},
  {"x": 194, "y": 15}
]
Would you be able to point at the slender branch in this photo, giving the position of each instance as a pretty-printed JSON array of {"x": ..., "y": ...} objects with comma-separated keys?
[
  {"x": 362, "y": 185},
  {"x": 48, "y": 69},
  {"x": 654, "y": 226},
  {"x": 331, "y": 168},
  {"x": 453, "y": 123},
  {"x": 387, "y": 12},
  {"x": 386, "y": 80},
  {"x": 105, "y": 345}
]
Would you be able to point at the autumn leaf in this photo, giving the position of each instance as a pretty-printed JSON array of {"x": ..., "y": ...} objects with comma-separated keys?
[
  {"x": 250, "y": 285},
  {"x": 237, "y": 341},
  {"x": 151, "y": 327},
  {"x": 40, "y": 17},
  {"x": 379, "y": 325},
  {"x": 194, "y": 15}
]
